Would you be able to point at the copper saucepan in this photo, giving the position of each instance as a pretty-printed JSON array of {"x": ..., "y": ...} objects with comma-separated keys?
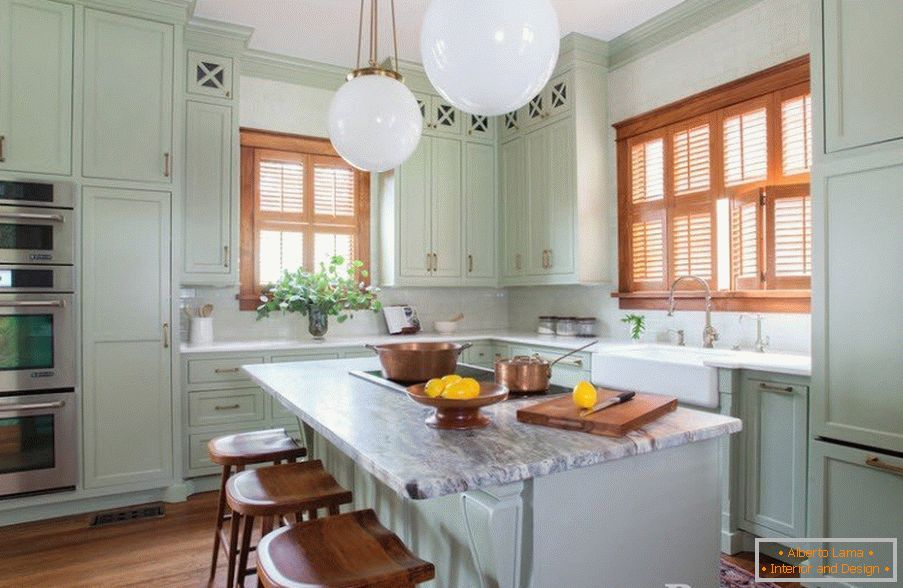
[
  {"x": 414, "y": 363},
  {"x": 526, "y": 374}
]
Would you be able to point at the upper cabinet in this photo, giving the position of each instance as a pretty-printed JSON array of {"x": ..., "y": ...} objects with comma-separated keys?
[
  {"x": 209, "y": 75},
  {"x": 554, "y": 203},
  {"x": 863, "y": 72},
  {"x": 479, "y": 214},
  {"x": 36, "y": 86},
  {"x": 128, "y": 98}
]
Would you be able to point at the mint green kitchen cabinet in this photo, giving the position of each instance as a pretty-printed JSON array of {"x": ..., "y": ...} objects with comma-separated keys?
[
  {"x": 126, "y": 338},
  {"x": 208, "y": 201},
  {"x": 36, "y": 51},
  {"x": 774, "y": 447},
  {"x": 480, "y": 214},
  {"x": 564, "y": 237},
  {"x": 480, "y": 128},
  {"x": 513, "y": 207},
  {"x": 863, "y": 72},
  {"x": 855, "y": 493},
  {"x": 445, "y": 208},
  {"x": 128, "y": 98},
  {"x": 413, "y": 214}
]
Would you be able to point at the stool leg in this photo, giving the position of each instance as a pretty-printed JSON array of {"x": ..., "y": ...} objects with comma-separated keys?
[
  {"x": 233, "y": 548},
  {"x": 312, "y": 514},
  {"x": 245, "y": 549},
  {"x": 334, "y": 509},
  {"x": 220, "y": 515}
]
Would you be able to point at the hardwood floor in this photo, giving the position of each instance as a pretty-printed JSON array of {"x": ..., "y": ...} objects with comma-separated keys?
[{"x": 171, "y": 552}]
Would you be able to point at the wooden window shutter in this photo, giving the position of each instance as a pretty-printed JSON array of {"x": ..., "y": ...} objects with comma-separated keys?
[
  {"x": 788, "y": 236},
  {"x": 280, "y": 185},
  {"x": 692, "y": 238},
  {"x": 746, "y": 147},
  {"x": 333, "y": 189},
  {"x": 746, "y": 237},
  {"x": 796, "y": 135},
  {"x": 691, "y": 162},
  {"x": 647, "y": 251},
  {"x": 647, "y": 171}
]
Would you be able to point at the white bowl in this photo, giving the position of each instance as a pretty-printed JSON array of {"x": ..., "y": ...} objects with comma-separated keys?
[{"x": 445, "y": 327}]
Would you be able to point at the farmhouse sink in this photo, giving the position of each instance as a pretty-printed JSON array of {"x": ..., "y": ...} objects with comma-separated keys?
[{"x": 661, "y": 369}]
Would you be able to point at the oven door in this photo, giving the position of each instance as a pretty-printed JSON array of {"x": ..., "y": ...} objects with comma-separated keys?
[
  {"x": 36, "y": 235},
  {"x": 37, "y": 342},
  {"x": 37, "y": 443},
  {"x": 56, "y": 195}
]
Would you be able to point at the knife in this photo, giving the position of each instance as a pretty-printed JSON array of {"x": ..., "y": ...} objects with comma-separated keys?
[{"x": 622, "y": 397}]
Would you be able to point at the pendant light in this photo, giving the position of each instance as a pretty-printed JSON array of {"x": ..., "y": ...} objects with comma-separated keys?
[
  {"x": 374, "y": 120},
  {"x": 489, "y": 57}
]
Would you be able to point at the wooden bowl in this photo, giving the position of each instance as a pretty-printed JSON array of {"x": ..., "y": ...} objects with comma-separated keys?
[{"x": 459, "y": 414}]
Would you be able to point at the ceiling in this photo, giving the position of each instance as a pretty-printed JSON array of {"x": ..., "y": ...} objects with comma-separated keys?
[{"x": 326, "y": 30}]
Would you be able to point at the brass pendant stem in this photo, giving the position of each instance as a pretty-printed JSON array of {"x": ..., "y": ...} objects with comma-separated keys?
[{"x": 373, "y": 67}]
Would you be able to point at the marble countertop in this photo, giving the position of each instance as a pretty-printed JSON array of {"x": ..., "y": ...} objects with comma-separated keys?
[{"x": 383, "y": 431}]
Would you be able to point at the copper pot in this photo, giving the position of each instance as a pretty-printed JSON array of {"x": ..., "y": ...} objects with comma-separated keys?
[
  {"x": 527, "y": 374},
  {"x": 413, "y": 363}
]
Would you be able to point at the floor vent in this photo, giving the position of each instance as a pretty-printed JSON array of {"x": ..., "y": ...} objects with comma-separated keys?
[{"x": 153, "y": 510}]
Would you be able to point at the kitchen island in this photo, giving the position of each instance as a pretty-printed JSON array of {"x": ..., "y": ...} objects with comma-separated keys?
[{"x": 516, "y": 505}]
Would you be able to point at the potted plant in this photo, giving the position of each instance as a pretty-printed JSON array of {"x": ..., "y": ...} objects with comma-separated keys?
[
  {"x": 330, "y": 291},
  {"x": 636, "y": 325}
]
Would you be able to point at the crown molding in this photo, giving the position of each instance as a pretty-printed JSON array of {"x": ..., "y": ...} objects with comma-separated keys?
[
  {"x": 214, "y": 35},
  {"x": 171, "y": 11},
  {"x": 673, "y": 24},
  {"x": 294, "y": 70},
  {"x": 578, "y": 47}
]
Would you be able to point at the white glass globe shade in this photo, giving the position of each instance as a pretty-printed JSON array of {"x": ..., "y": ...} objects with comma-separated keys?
[
  {"x": 489, "y": 57},
  {"x": 374, "y": 122}
]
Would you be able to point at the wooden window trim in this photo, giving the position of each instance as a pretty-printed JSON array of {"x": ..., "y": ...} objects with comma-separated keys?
[
  {"x": 770, "y": 88},
  {"x": 312, "y": 149}
]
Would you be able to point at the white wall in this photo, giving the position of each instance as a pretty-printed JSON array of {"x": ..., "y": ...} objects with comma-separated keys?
[
  {"x": 765, "y": 34},
  {"x": 292, "y": 108}
]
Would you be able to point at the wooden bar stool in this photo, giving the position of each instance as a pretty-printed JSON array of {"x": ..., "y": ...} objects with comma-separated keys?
[
  {"x": 345, "y": 551},
  {"x": 238, "y": 451},
  {"x": 274, "y": 492}
]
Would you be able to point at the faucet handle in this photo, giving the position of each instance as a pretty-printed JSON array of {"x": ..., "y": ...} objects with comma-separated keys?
[{"x": 681, "y": 342}]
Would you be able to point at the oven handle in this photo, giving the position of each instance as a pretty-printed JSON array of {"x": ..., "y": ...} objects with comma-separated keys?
[
  {"x": 32, "y": 216},
  {"x": 33, "y": 303},
  {"x": 35, "y": 406}
]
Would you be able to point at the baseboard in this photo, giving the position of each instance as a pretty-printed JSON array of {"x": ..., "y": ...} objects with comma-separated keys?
[
  {"x": 732, "y": 542},
  {"x": 203, "y": 484}
]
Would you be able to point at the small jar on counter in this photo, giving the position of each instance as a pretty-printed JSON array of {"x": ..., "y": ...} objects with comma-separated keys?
[
  {"x": 586, "y": 327},
  {"x": 566, "y": 326},
  {"x": 546, "y": 325}
]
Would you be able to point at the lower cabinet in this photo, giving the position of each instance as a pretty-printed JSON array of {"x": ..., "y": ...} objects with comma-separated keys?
[
  {"x": 773, "y": 472},
  {"x": 127, "y": 393},
  {"x": 854, "y": 493}
]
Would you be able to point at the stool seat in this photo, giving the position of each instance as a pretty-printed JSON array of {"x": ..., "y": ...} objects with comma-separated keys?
[
  {"x": 351, "y": 550},
  {"x": 254, "y": 447},
  {"x": 286, "y": 488}
]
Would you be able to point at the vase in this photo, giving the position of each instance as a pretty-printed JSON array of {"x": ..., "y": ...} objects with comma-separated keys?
[{"x": 317, "y": 323}]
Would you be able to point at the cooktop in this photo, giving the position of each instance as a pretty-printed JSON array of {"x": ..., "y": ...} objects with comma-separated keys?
[{"x": 464, "y": 370}]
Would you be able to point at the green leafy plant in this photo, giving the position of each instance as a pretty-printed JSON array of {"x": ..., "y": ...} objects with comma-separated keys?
[
  {"x": 333, "y": 289},
  {"x": 637, "y": 324}
]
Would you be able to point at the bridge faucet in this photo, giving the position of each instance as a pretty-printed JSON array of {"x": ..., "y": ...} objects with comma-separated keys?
[{"x": 709, "y": 334}]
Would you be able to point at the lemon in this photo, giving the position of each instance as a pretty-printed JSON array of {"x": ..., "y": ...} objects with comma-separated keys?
[
  {"x": 434, "y": 387},
  {"x": 585, "y": 395},
  {"x": 471, "y": 386},
  {"x": 456, "y": 391},
  {"x": 451, "y": 379}
]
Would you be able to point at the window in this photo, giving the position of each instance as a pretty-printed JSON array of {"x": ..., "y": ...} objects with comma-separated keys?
[
  {"x": 300, "y": 205},
  {"x": 717, "y": 186}
]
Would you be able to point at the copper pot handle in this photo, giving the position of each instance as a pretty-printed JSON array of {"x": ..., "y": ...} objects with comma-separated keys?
[
  {"x": 372, "y": 348},
  {"x": 464, "y": 346},
  {"x": 590, "y": 344}
]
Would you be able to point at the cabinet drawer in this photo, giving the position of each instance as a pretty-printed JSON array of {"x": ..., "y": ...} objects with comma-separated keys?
[
  {"x": 214, "y": 371},
  {"x": 217, "y": 407},
  {"x": 481, "y": 355},
  {"x": 305, "y": 356}
]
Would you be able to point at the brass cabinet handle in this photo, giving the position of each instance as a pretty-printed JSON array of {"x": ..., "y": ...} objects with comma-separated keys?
[
  {"x": 435, "y": 262},
  {"x": 875, "y": 462},
  {"x": 550, "y": 259},
  {"x": 775, "y": 388},
  {"x": 227, "y": 407},
  {"x": 470, "y": 263},
  {"x": 225, "y": 256},
  {"x": 165, "y": 335},
  {"x": 166, "y": 165},
  {"x": 2, "y": 150},
  {"x": 233, "y": 370},
  {"x": 517, "y": 262},
  {"x": 429, "y": 262}
]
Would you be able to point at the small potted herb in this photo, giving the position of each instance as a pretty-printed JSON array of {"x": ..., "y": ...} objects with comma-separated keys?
[
  {"x": 330, "y": 291},
  {"x": 636, "y": 324}
]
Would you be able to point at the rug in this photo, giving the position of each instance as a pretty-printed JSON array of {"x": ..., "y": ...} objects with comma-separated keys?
[{"x": 733, "y": 576}]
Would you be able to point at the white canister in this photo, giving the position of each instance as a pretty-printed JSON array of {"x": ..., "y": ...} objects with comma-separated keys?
[{"x": 201, "y": 330}]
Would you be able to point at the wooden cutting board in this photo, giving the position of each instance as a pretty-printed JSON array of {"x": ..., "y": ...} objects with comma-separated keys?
[{"x": 614, "y": 421}]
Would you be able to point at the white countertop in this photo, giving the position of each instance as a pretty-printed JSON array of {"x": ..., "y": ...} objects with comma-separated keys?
[{"x": 783, "y": 363}]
